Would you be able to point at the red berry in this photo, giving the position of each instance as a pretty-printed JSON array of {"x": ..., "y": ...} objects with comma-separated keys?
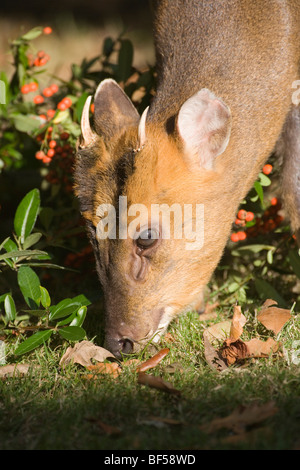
[
  {"x": 44, "y": 60},
  {"x": 267, "y": 169},
  {"x": 51, "y": 153},
  {"x": 54, "y": 88},
  {"x": 67, "y": 101},
  {"x": 46, "y": 159},
  {"x": 25, "y": 89},
  {"x": 234, "y": 237},
  {"x": 61, "y": 106},
  {"x": 41, "y": 54},
  {"x": 242, "y": 236},
  {"x": 38, "y": 99},
  {"x": 47, "y": 30},
  {"x": 33, "y": 86},
  {"x": 64, "y": 103},
  {"x": 47, "y": 92},
  {"x": 249, "y": 217},
  {"x": 51, "y": 113},
  {"x": 43, "y": 117},
  {"x": 52, "y": 144},
  {"x": 39, "y": 155},
  {"x": 242, "y": 214},
  {"x": 274, "y": 201}
]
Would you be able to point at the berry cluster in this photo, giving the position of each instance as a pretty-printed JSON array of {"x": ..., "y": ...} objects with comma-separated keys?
[
  {"x": 39, "y": 60},
  {"x": 53, "y": 143},
  {"x": 268, "y": 222}
]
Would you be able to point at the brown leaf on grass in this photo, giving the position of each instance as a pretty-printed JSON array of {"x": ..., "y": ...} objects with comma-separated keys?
[
  {"x": 259, "y": 348},
  {"x": 14, "y": 370},
  {"x": 104, "y": 368},
  {"x": 273, "y": 318},
  {"x": 233, "y": 351},
  {"x": 83, "y": 352},
  {"x": 158, "y": 383},
  {"x": 153, "y": 361},
  {"x": 241, "y": 418},
  {"x": 218, "y": 332},
  {"x": 212, "y": 356},
  {"x": 237, "y": 323}
]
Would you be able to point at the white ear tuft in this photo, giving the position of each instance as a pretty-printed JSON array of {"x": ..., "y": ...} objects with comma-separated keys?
[{"x": 204, "y": 124}]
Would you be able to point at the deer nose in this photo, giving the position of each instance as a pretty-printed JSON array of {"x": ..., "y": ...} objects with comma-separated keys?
[{"x": 119, "y": 346}]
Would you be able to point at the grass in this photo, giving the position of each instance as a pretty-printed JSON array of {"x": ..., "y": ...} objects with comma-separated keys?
[{"x": 55, "y": 408}]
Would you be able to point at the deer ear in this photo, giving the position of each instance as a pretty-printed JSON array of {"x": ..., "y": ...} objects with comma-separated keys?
[
  {"x": 113, "y": 109},
  {"x": 204, "y": 124}
]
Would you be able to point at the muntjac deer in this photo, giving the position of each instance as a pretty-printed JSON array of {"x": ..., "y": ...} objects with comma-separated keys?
[{"x": 223, "y": 103}]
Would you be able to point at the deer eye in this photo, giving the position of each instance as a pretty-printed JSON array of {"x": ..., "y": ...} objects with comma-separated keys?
[{"x": 147, "y": 238}]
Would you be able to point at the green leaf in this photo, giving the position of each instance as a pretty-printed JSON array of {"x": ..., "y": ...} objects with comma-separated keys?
[
  {"x": 4, "y": 243},
  {"x": 264, "y": 179},
  {"x": 33, "y": 342},
  {"x": 24, "y": 254},
  {"x": 267, "y": 291},
  {"x": 79, "y": 316},
  {"x": 45, "y": 297},
  {"x": 29, "y": 284},
  {"x": 295, "y": 261},
  {"x": 31, "y": 240},
  {"x": 26, "y": 214},
  {"x": 255, "y": 248},
  {"x": 63, "y": 308},
  {"x": 25, "y": 122},
  {"x": 259, "y": 190},
  {"x": 125, "y": 60},
  {"x": 72, "y": 333},
  {"x": 82, "y": 299},
  {"x": 32, "y": 34},
  {"x": 10, "y": 308}
]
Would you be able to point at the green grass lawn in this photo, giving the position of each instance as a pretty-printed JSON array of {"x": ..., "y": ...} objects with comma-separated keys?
[{"x": 56, "y": 408}]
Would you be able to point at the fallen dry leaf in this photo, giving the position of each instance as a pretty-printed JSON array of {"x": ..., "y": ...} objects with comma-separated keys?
[
  {"x": 274, "y": 318},
  {"x": 104, "y": 368},
  {"x": 218, "y": 332},
  {"x": 212, "y": 356},
  {"x": 241, "y": 418},
  {"x": 237, "y": 323},
  {"x": 83, "y": 352},
  {"x": 153, "y": 361},
  {"x": 233, "y": 351},
  {"x": 233, "y": 348},
  {"x": 14, "y": 370},
  {"x": 259, "y": 348},
  {"x": 157, "y": 382}
]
